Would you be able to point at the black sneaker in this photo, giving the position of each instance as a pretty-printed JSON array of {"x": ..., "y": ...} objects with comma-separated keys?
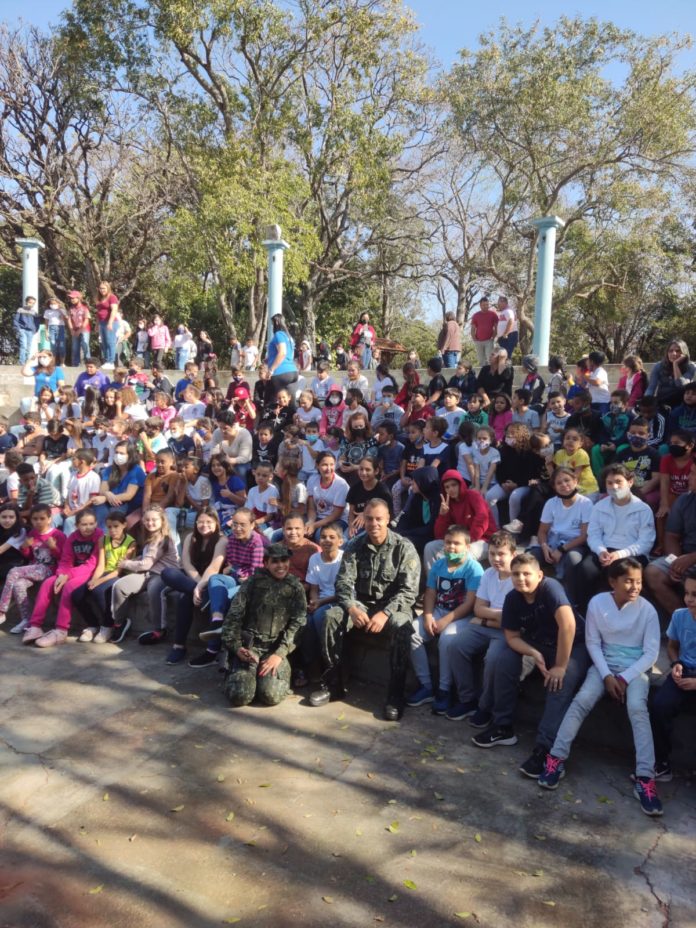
[
  {"x": 663, "y": 771},
  {"x": 533, "y": 767},
  {"x": 204, "y": 660},
  {"x": 494, "y": 736},
  {"x": 153, "y": 637},
  {"x": 176, "y": 656},
  {"x": 120, "y": 632},
  {"x": 481, "y": 719}
]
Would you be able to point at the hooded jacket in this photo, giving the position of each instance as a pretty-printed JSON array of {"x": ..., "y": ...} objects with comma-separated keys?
[
  {"x": 471, "y": 510},
  {"x": 418, "y": 519}
]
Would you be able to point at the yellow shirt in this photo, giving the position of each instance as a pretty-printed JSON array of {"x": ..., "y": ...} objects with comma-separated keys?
[{"x": 587, "y": 482}]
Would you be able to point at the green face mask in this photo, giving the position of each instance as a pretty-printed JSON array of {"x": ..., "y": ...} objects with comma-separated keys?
[{"x": 454, "y": 556}]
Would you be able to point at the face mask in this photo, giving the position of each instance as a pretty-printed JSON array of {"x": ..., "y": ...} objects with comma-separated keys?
[
  {"x": 387, "y": 401},
  {"x": 312, "y": 439},
  {"x": 636, "y": 441},
  {"x": 120, "y": 459},
  {"x": 200, "y": 432},
  {"x": 44, "y": 362},
  {"x": 567, "y": 495},
  {"x": 615, "y": 407},
  {"x": 619, "y": 493},
  {"x": 358, "y": 432},
  {"x": 483, "y": 443},
  {"x": 547, "y": 452},
  {"x": 454, "y": 556},
  {"x": 510, "y": 442},
  {"x": 333, "y": 401},
  {"x": 677, "y": 451}
]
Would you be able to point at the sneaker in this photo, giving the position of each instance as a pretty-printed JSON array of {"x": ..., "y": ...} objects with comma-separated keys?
[
  {"x": 494, "y": 736},
  {"x": 107, "y": 366},
  {"x": 176, "y": 656},
  {"x": 553, "y": 772},
  {"x": 481, "y": 719},
  {"x": 53, "y": 637},
  {"x": 663, "y": 771},
  {"x": 32, "y": 633},
  {"x": 204, "y": 660},
  {"x": 461, "y": 710},
  {"x": 533, "y": 767},
  {"x": 104, "y": 634},
  {"x": 420, "y": 696},
  {"x": 153, "y": 637},
  {"x": 514, "y": 527},
  {"x": 20, "y": 627},
  {"x": 645, "y": 792},
  {"x": 88, "y": 634},
  {"x": 120, "y": 631},
  {"x": 441, "y": 703},
  {"x": 214, "y": 630}
]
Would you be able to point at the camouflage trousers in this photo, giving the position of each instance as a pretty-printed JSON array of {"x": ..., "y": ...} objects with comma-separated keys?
[
  {"x": 338, "y": 623},
  {"x": 243, "y": 684}
]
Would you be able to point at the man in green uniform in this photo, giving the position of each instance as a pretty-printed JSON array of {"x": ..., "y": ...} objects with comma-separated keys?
[
  {"x": 261, "y": 628},
  {"x": 376, "y": 588}
]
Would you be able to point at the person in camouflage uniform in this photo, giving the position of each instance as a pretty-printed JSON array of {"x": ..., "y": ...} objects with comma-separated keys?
[
  {"x": 376, "y": 588},
  {"x": 261, "y": 628}
]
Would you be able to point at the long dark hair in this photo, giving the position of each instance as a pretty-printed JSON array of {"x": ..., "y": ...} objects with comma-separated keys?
[
  {"x": 7, "y": 533},
  {"x": 203, "y": 546},
  {"x": 278, "y": 324},
  {"x": 117, "y": 474}
]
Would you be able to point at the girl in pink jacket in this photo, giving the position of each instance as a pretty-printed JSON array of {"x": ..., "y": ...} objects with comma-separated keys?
[{"x": 160, "y": 339}]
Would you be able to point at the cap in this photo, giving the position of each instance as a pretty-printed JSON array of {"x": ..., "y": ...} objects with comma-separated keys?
[
  {"x": 278, "y": 550},
  {"x": 241, "y": 393},
  {"x": 75, "y": 294},
  {"x": 530, "y": 362}
]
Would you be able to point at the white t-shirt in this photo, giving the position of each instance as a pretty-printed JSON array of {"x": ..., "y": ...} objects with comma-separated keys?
[
  {"x": 308, "y": 415},
  {"x": 308, "y": 462},
  {"x": 200, "y": 491},
  {"x": 492, "y": 589},
  {"x": 600, "y": 393},
  {"x": 325, "y": 498},
  {"x": 260, "y": 501},
  {"x": 464, "y": 450},
  {"x": 250, "y": 353},
  {"x": 485, "y": 461},
  {"x": 54, "y": 317},
  {"x": 136, "y": 411},
  {"x": 82, "y": 489},
  {"x": 191, "y": 411},
  {"x": 323, "y": 574},
  {"x": 320, "y": 388},
  {"x": 361, "y": 383},
  {"x": 180, "y": 340},
  {"x": 565, "y": 521},
  {"x": 503, "y": 318}
]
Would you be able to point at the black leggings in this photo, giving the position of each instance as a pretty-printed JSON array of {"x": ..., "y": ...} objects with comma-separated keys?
[{"x": 278, "y": 381}]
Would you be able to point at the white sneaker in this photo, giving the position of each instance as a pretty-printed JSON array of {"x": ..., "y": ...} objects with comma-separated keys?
[
  {"x": 19, "y": 627},
  {"x": 88, "y": 634},
  {"x": 514, "y": 527},
  {"x": 108, "y": 366},
  {"x": 103, "y": 635}
]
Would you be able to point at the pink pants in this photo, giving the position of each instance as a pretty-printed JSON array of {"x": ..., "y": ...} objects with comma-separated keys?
[{"x": 78, "y": 577}]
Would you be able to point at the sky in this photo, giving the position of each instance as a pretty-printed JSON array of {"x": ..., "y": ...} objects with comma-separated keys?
[{"x": 448, "y": 25}]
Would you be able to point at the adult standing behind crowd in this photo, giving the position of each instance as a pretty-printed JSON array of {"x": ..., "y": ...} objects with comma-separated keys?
[
  {"x": 108, "y": 315},
  {"x": 669, "y": 377},
  {"x": 484, "y": 325},
  {"x": 508, "y": 331},
  {"x": 362, "y": 340},
  {"x": 496, "y": 376},
  {"x": 281, "y": 355},
  {"x": 78, "y": 323},
  {"x": 56, "y": 318},
  {"x": 160, "y": 339},
  {"x": 449, "y": 341},
  {"x": 26, "y": 325}
]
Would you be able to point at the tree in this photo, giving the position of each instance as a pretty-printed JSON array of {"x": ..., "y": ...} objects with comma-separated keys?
[{"x": 582, "y": 119}]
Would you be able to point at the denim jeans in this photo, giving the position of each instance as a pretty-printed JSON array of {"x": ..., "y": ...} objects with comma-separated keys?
[
  {"x": 476, "y": 642},
  {"x": 419, "y": 657},
  {"x": 176, "y": 579},
  {"x": 506, "y": 683},
  {"x": 56, "y": 336},
  {"x": 181, "y": 358},
  {"x": 666, "y": 703},
  {"x": 450, "y": 359},
  {"x": 310, "y": 642},
  {"x": 221, "y": 592},
  {"x": 509, "y": 342},
  {"x": 24, "y": 336},
  {"x": 80, "y": 348},
  {"x": 587, "y": 698},
  {"x": 107, "y": 340}
]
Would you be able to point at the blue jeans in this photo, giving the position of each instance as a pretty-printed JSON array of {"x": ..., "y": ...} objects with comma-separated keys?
[
  {"x": 56, "y": 336},
  {"x": 176, "y": 579},
  {"x": 450, "y": 358},
  {"x": 107, "y": 340},
  {"x": 24, "y": 336},
  {"x": 181, "y": 358},
  {"x": 477, "y": 643},
  {"x": 221, "y": 592},
  {"x": 310, "y": 642},
  {"x": 366, "y": 360},
  {"x": 80, "y": 347},
  {"x": 101, "y": 511},
  {"x": 509, "y": 342}
]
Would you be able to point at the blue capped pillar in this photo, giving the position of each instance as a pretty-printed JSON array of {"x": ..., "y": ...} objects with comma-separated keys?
[
  {"x": 546, "y": 226},
  {"x": 275, "y": 246}
]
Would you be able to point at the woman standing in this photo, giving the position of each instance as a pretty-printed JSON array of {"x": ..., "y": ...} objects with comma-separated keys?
[
  {"x": 281, "y": 353},
  {"x": 669, "y": 377},
  {"x": 108, "y": 315},
  {"x": 160, "y": 339},
  {"x": 204, "y": 347},
  {"x": 362, "y": 340}
]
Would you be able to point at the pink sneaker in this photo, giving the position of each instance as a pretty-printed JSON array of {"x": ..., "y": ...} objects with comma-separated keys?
[
  {"x": 55, "y": 636},
  {"x": 32, "y": 633}
]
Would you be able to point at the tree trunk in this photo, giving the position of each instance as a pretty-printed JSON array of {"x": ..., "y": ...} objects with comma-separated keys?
[
  {"x": 309, "y": 324},
  {"x": 228, "y": 307}
]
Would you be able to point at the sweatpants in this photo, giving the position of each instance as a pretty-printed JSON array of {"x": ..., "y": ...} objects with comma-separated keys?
[
  {"x": 78, "y": 577},
  {"x": 17, "y": 584}
]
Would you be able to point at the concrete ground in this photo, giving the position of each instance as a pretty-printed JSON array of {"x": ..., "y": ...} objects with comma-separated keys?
[{"x": 131, "y": 795}]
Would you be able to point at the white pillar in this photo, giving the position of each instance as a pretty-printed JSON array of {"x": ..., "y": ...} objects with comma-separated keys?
[
  {"x": 30, "y": 267},
  {"x": 546, "y": 244},
  {"x": 275, "y": 246}
]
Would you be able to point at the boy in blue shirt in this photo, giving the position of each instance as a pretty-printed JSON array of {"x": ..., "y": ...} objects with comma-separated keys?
[
  {"x": 389, "y": 451},
  {"x": 449, "y": 597},
  {"x": 679, "y": 689}
]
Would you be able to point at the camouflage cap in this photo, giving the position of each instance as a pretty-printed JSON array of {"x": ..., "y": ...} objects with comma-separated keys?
[{"x": 277, "y": 550}]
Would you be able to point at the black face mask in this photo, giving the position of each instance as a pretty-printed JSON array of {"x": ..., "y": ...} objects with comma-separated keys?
[
  {"x": 677, "y": 451},
  {"x": 567, "y": 495},
  {"x": 359, "y": 432}
]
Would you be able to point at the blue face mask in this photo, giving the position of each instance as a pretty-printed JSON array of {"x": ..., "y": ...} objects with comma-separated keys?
[
  {"x": 312, "y": 439},
  {"x": 454, "y": 556}
]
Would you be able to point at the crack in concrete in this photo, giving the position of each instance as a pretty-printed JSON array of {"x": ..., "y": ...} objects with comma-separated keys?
[{"x": 663, "y": 907}]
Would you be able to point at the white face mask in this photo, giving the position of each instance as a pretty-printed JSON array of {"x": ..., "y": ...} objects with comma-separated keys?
[
  {"x": 120, "y": 458},
  {"x": 44, "y": 362},
  {"x": 619, "y": 493},
  {"x": 483, "y": 443},
  {"x": 510, "y": 442},
  {"x": 387, "y": 401}
]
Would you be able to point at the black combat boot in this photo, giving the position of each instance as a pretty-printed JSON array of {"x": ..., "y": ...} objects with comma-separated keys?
[{"x": 332, "y": 687}]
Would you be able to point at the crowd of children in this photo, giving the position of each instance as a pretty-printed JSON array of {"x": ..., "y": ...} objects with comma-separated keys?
[{"x": 243, "y": 503}]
